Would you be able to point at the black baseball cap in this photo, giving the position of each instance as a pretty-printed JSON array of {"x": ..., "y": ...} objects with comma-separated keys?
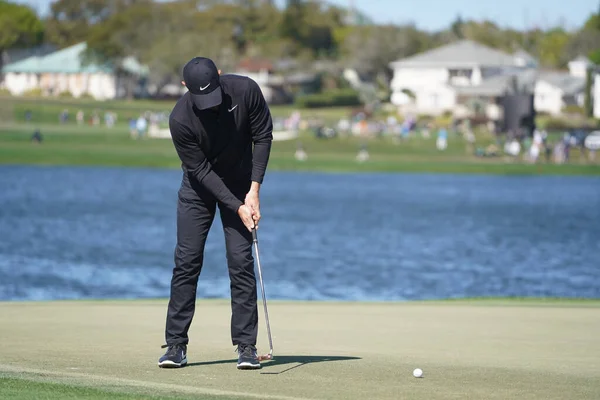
[{"x": 201, "y": 77}]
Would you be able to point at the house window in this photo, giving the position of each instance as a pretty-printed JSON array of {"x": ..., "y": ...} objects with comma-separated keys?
[
  {"x": 434, "y": 100},
  {"x": 460, "y": 72},
  {"x": 460, "y": 76}
]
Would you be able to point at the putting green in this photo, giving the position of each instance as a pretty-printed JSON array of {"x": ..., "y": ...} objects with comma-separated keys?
[{"x": 467, "y": 350}]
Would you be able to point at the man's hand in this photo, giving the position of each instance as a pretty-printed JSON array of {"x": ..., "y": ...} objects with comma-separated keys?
[
  {"x": 245, "y": 214},
  {"x": 253, "y": 202}
]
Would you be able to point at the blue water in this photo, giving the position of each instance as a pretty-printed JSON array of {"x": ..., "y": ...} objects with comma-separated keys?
[{"x": 70, "y": 233}]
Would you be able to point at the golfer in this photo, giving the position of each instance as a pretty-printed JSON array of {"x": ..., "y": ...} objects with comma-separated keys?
[{"x": 213, "y": 127}]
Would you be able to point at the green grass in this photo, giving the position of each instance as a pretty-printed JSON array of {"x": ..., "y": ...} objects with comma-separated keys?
[
  {"x": 520, "y": 301},
  {"x": 27, "y": 389},
  {"x": 468, "y": 349},
  {"x": 47, "y": 111},
  {"x": 73, "y": 145}
]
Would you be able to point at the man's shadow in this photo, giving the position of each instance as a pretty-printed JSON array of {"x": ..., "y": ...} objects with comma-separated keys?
[{"x": 282, "y": 360}]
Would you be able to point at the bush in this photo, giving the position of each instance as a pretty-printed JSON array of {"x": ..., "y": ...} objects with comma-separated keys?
[
  {"x": 443, "y": 120},
  {"x": 65, "y": 95},
  {"x": 36, "y": 92},
  {"x": 330, "y": 98},
  {"x": 573, "y": 109},
  {"x": 563, "y": 124}
]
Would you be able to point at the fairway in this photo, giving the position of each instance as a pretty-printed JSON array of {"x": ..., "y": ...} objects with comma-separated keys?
[
  {"x": 492, "y": 349},
  {"x": 84, "y": 146}
]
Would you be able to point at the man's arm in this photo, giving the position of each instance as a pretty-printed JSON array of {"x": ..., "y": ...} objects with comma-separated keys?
[
  {"x": 261, "y": 129},
  {"x": 195, "y": 161}
]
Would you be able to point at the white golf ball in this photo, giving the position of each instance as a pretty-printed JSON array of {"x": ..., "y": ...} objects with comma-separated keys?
[{"x": 417, "y": 373}]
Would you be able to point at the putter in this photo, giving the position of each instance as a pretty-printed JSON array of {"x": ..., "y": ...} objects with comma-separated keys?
[{"x": 262, "y": 289}]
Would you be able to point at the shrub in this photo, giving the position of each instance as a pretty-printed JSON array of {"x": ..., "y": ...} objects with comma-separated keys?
[
  {"x": 573, "y": 109},
  {"x": 330, "y": 98},
  {"x": 65, "y": 95},
  {"x": 36, "y": 92},
  {"x": 562, "y": 124},
  {"x": 443, "y": 120}
]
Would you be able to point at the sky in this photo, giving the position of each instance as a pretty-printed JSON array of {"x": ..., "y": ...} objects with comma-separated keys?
[{"x": 438, "y": 14}]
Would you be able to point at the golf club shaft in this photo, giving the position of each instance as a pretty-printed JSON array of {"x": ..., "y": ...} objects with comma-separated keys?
[{"x": 262, "y": 289}]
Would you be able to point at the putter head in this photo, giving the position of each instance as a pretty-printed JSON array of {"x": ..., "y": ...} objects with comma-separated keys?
[{"x": 266, "y": 356}]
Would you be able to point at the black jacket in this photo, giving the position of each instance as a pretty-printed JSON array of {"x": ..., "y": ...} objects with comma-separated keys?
[{"x": 215, "y": 147}]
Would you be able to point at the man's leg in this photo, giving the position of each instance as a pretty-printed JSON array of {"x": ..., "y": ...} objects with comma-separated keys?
[
  {"x": 240, "y": 261},
  {"x": 194, "y": 218}
]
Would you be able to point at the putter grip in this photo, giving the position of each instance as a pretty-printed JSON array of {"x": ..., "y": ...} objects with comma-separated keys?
[{"x": 254, "y": 238}]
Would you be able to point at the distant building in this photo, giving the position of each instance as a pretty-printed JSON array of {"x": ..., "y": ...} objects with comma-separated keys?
[
  {"x": 556, "y": 90},
  {"x": 524, "y": 59},
  {"x": 443, "y": 79},
  {"x": 13, "y": 55},
  {"x": 261, "y": 71},
  {"x": 64, "y": 71},
  {"x": 433, "y": 82},
  {"x": 579, "y": 67},
  {"x": 276, "y": 87}
]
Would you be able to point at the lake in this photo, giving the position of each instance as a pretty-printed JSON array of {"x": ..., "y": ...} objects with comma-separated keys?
[{"x": 75, "y": 233}]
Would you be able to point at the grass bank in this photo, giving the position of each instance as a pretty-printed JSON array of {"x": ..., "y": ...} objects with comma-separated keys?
[
  {"x": 47, "y": 111},
  {"x": 73, "y": 145},
  {"x": 26, "y": 389},
  {"x": 468, "y": 349}
]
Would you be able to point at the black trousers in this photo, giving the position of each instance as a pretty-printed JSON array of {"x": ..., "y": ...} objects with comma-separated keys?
[{"x": 196, "y": 210}]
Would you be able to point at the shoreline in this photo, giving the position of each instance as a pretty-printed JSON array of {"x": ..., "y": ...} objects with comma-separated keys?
[
  {"x": 84, "y": 146},
  {"x": 462, "y": 169},
  {"x": 483, "y": 301}
]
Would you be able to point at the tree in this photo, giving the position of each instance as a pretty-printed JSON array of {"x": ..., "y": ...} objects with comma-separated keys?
[
  {"x": 322, "y": 23},
  {"x": 593, "y": 22},
  {"x": 587, "y": 40},
  {"x": 457, "y": 27},
  {"x": 256, "y": 27},
  {"x": 164, "y": 36},
  {"x": 484, "y": 32},
  {"x": 293, "y": 25},
  {"x": 551, "y": 49},
  {"x": 370, "y": 49},
  {"x": 70, "y": 21},
  {"x": 19, "y": 26}
]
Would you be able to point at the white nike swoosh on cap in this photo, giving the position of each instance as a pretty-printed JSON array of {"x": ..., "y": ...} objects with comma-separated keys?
[
  {"x": 204, "y": 88},
  {"x": 232, "y": 108}
]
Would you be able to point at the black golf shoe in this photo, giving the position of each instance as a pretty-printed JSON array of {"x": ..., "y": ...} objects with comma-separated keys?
[
  {"x": 247, "y": 357},
  {"x": 175, "y": 357}
]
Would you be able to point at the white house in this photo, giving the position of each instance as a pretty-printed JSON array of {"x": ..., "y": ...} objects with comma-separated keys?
[
  {"x": 439, "y": 80},
  {"x": 64, "y": 71},
  {"x": 579, "y": 67},
  {"x": 556, "y": 90},
  {"x": 431, "y": 82}
]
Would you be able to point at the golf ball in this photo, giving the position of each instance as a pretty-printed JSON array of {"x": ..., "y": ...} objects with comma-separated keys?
[{"x": 417, "y": 373}]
